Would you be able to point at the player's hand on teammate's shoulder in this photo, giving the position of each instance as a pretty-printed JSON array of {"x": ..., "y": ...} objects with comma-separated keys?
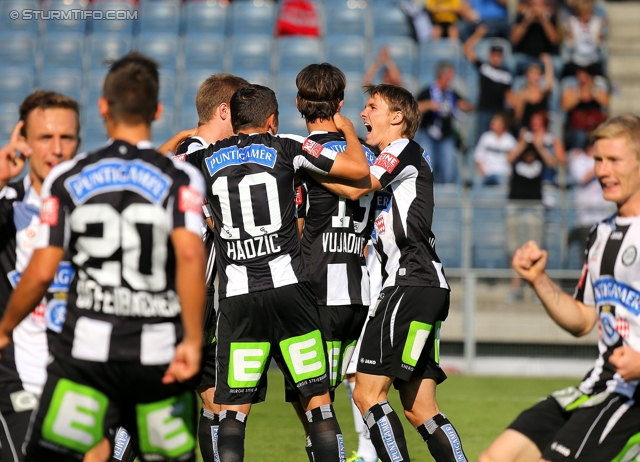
[
  {"x": 529, "y": 261},
  {"x": 11, "y": 162},
  {"x": 626, "y": 360},
  {"x": 185, "y": 363},
  {"x": 343, "y": 123}
]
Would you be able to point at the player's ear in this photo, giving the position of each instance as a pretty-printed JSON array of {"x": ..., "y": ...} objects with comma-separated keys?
[
  {"x": 297, "y": 105},
  {"x": 340, "y": 105},
  {"x": 223, "y": 111},
  {"x": 272, "y": 124},
  {"x": 398, "y": 118},
  {"x": 159, "y": 110},
  {"x": 103, "y": 107}
]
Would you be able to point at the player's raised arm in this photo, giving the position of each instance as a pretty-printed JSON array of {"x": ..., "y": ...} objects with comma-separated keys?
[
  {"x": 352, "y": 163},
  {"x": 572, "y": 315}
]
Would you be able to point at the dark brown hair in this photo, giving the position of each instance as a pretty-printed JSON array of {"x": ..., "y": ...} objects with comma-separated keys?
[
  {"x": 251, "y": 106},
  {"x": 42, "y": 99},
  {"x": 131, "y": 89},
  {"x": 320, "y": 90}
]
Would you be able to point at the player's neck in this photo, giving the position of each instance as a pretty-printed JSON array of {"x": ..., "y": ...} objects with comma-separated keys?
[
  {"x": 322, "y": 126},
  {"x": 132, "y": 134},
  {"x": 631, "y": 208},
  {"x": 392, "y": 136},
  {"x": 213, "y": 132},
  {"x": 36, "y": 183}
]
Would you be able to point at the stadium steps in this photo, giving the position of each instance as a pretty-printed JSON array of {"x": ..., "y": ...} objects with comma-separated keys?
[{"x": 624, "y": 54}]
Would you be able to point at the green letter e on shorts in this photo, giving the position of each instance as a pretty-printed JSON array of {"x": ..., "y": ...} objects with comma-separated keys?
[
  {"x": 304, "y": 356},
  {"x": 75, "y": 417}
]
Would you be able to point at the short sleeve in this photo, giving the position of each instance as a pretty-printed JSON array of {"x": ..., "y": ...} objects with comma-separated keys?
[
  {"x": 301, "y": 200},
  {"x": 194, "y": 158},
  {"x": 584, "y": 289},
  {"x": 187, "y": 203},
  {"x": 390, "y": 166},
  {"x": 309, "y": 154},
  {"x": 54, "y": 214}
]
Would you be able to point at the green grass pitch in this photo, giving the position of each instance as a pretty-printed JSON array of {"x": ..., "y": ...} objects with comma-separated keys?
[{"x": 479, "y": 407}]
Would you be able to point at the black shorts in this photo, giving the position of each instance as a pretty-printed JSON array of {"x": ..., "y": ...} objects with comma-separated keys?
[
  {"x": 282, "y": 324},
  {"x": 402, "y": 337},
  {"x": 14, "y": 424},
  {"x": 83, "y": 400},
  {"x": 341, "y": 328},
  {"x": 582, "y": 428},
  {"x": 208, "y": 367}
]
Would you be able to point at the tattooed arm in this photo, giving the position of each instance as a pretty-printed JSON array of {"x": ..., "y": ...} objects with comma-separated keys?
[{"x": 573, "y": 316}]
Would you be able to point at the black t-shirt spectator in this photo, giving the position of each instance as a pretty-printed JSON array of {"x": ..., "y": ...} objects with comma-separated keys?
[
  {"x": 442, "y": 118},
  {"x": 535, "y": 41},
  {"x": 526, "y": 177},
  {"x": 494, "y": 83}
]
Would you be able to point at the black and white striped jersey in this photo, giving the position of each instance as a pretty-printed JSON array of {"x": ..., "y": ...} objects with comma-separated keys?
[
  {"x": 336, "y": 231},
  {"x": 114, "y": 210},
  {"x": 23, "y": 363},
  {"x": 610, "y": 281},
  {"x": 250, "y": 187},
  {"x": 192, "y": 144},
  {"x": 402, "y": 232}
]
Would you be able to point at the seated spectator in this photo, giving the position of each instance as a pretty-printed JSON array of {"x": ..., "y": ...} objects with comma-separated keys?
[
  {"x": 546, "y": 144},
  {"x": 492, "y": 14},
  {"x": 590, "y": 205},
  {"x": 495, "y": 79},
  {"x": 533, "y": 96},
  {"x": 535, "y": 33},
  {"x": 586, "y": 106},
  {"x": 584, "y": 37},
  {"x": 491, "y": 153},
  {"x": 525, "y": 221},
  {"x": 444, "y": 17},
  {"x": 439, "y": 104},
  {"x": 389, "y": 71}
]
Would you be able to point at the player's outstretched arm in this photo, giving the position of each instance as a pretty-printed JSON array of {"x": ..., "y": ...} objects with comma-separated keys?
[
  {"x": 33, "y": 285},
  {"x": 573, "y": 316},
  {"x": 352, "y": 190},
  {"x": 190, "y": 286},
  {"x": 172, "y": 145},
  {"x": 352, "y": 163},
  {"x": 627, "y": 362}
]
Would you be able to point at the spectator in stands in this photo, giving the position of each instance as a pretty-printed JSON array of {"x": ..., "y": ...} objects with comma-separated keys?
[
  {"x": 525, "y": 221},
  {"x": 492, "y": 14},
  {"x": 584, "y": 36},
  {"x": 586, "y": 106},
  {"x": 535, "y": 33},
  {"x": 384, "y": 64},
  {"x": 444, "y": 17},
  {"x": 590, "y": 205},
  {"x": 495, "y": 79},
  {"x": 492, "y": 150},
  {"x": 533, "y": 96},
  {"x": 538, "y": 135},
  {"x": 439, "y": 104}
]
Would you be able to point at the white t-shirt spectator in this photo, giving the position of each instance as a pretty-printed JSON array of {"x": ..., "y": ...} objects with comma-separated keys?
[
  {"x": 491, "y": 153},
  {"x": 590, "y": 205}
]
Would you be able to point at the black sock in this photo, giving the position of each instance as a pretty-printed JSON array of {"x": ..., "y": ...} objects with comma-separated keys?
[
  {"x": 231, "y": 436},
  {"x": 386, "y": 432},
  {"x": 325, "y": 435},
  {"x": 442, "y": 439},
  {"x": 208, "y": 435}
]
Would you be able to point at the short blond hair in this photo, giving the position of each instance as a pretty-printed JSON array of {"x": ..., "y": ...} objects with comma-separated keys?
[{"x": 623, "y": 126}]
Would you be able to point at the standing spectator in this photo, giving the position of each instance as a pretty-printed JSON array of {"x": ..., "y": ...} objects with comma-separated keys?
[
  {"x": 492, "y": 150},
  {"x": 438, "y": 104},
  {"x": 444, "y": 17},
  {"x": 495, "y": 79},
  {"x": 545, "y": 142},
  {"x": 590, "y": 205},
  {"x": 584, "y": 36},
  {"x": 525, "y": 222},
  {"x": 586, "y": 106},
  {"x": 384, "y": 63},
  {"x": 493, "y": 14},
  {"x": 533, "y": 97},
  {"x": 535, "y": 33}
]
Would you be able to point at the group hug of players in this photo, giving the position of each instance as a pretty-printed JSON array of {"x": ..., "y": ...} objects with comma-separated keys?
[{"x": 107, "y": 271}]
